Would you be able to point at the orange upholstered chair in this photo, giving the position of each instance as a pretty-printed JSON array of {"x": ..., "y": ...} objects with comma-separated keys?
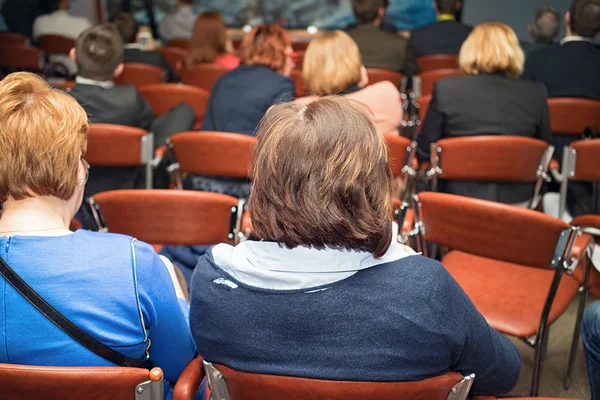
[
  {"x": 300, "y": 45},
  {"x": 571, "y": 116},
  {"x": 380, "y": 75},
  {"x": 180, "y": 43},
  {"x": 169, "y": 217},
  {"x": 423, "y": 103},
  {"x": 587, "y": 222},
  {"x": 218, "y": 154},
  {"x": 437, "y": 61},
  {"x": 202, "y": 75},
  {"x": 120, "y": 146},
  {"x": 14, "y": 57},
  {"x": 139, "y": 74},
  {"x": 513, "y": 263},
  {"x": 491, "y": 159},
  {"x": 399, "y": 148},
  {"x": 173, "y": 55},
  {"x": 55, "y": 44},
  {"x": 229, "y": 384},
  {"x": 429, "y": 78},
  {"x": 299, "y": 84},
  {"x": 63, "y": 84},
  {"x": 164, "y": 96},
  {"x": 25, "y": 382},
  {"x": 12, "y": 38}
]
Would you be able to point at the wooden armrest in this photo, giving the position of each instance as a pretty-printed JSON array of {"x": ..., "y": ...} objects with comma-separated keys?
[{"x": 189, "y": 381}]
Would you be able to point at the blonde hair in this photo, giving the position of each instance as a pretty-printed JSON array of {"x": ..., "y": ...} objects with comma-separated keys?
[
  {"x": 43, "y": 133},
  {"x": 492, "y": 47},
  {"x": 332, "y": 63}
]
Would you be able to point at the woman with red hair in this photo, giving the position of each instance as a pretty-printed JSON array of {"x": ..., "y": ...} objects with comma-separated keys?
[{"x": 210, "y": 44}]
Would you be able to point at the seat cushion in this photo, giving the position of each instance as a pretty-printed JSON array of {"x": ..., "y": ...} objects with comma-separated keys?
[{"x": 511, "y": 297}]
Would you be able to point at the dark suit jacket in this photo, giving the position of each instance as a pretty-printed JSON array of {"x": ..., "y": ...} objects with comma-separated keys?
[
  {"x": 444, "y": 37},
  {"x": 486, "y": 104},
  {"x": 149, "y": 57},
  {"x": 530, "y": 47},
  {"x": 380, "y": 49},
  {"x": 121, "y": 105},
  {"x": 240, "y": 98},
  {"x": 568, "y": 70}
]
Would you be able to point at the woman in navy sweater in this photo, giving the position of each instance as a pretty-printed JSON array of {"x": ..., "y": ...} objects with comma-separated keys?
[{"x": 328, "y": 294}]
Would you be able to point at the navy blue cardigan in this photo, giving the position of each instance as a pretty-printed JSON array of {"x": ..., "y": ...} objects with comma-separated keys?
[
  {"x": 400, "y": 321},
  {"x": 240, "y": 98}
]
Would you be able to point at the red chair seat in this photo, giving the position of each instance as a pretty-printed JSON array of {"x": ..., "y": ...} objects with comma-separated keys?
[{"x": 523, "y": 291}]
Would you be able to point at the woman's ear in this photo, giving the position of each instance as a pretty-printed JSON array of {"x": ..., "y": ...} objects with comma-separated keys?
[{"x": 364, "y": 77}]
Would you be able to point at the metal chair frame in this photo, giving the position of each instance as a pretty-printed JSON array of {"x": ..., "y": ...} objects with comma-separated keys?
[
  {"x": 567, "y": 171},
  {"x": 561, "y": 264}
]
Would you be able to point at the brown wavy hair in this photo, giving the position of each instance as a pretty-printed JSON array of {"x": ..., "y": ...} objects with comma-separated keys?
[
  {"x": 265, "y": 45},
  {"x": 209, "y": 39},
  {"x": 321, "y": 178}
]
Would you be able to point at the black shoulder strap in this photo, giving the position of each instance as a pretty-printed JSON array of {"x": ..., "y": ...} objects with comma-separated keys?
[{"x": 67, "y": 326}]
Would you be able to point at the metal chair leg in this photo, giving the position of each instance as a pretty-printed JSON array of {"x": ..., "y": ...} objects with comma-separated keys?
[
  {"x": 540, "y": 348},
  {"x": 576, "y": 334}
]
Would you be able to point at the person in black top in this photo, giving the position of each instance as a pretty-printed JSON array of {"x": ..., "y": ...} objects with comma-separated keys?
[
  {"x": 134, "y": 52},
  {"x": 487, "y": 100},
  {"x": 544, "y": 27},
  {"x": 445, "y": 36},
  {"x": 573, "y": 68}
]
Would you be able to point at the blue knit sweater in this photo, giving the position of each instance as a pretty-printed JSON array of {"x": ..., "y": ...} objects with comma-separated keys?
[{"x": 399, "y": 321}]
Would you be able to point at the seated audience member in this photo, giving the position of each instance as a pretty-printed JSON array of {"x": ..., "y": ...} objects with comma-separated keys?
[
  {"x": 573, "y": 68},
  {"x": 19, "y": 15},
  {"x": 113, "y": 287},
  {"x": 446, "y": 36},
  {"x": 61, "y": 23},
  {"x": 544, "y": 27},
  {"x": 380, "y": 49},
  {"x": 180, "y": 24},
  {"x": 332, "y": 65},
  {"x": 99, "y": 54},
  {"x": 590, "y": 333},
  {"x": 239, "y": 98},
  {"x": 321, "y": 201},
  {"x": 209, "y": 43},
  {"x": 487, "y": 100},
  {"x": 136, "y": 52}
]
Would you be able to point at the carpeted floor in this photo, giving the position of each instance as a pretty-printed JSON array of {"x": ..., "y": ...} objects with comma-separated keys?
[{"x": 554, "y": 366}]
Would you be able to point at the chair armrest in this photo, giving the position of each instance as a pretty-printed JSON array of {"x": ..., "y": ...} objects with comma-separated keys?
[
  {"x": 554, "y": 169},
  {"x": 159, "y": 154},
  {"x": 189, "y": 381}
]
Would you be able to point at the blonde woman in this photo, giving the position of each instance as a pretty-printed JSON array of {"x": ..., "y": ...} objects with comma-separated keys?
[
  {"x": 332, "y": 65},
  {"x": 488, "y": 100}
]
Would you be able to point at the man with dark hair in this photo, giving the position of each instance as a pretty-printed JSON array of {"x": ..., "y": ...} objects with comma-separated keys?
[
  {"x": 573, "y": 68},
  {"x": 446, "y": 36},
  {"x": 180, "y": 24},
  {"x": 544, "y": 27},
  {"x": 98, "y": 54},
  {"x": 380, "y": 49},
  {"x": 134, "y": 50}
]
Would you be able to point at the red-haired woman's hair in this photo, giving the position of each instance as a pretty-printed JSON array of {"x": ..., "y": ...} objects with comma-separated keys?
[
  {"x": 265, "y": 45},
  {"x": 209, "y": 39}
]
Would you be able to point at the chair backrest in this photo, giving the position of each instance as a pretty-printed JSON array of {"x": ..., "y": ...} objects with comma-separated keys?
[
  {"x": 437, "y": 61},
  {"x": 20, "y": 56},
  {"x": 63, "y": 84},
  {"x": 299, "y": 84},
  {"x": 587, "y": 221},
  {"x": 571, "y": 116},
  {"x": 139, "y": 74},
  {"x": 181, "y": 43},
  {"x": 379, "y": 75},
  {"x": 202, "y": 75},
  {"x": 173, "y": 55},
  {"x": 229, "y": 384},
  {"x": 56, "y": 44},
  {"x": 164, "y": 96},
  {"x": 300, "y": 45},
  {"x": 429, "y": 78},
  {"x": 423, "y": 102},
  {"x": 213, "y": 153},
  {"x": 13, "y": 38},
  {"x": 399, "y": 149},
  {"x": 25, "y": 382},
  {"x": 169, "y": 217},
  {"x": 494, "y": 230},
  {"x": 120, "y": 146}
]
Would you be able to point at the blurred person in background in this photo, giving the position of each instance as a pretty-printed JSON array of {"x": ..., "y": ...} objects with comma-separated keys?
[
  {"x": 19, "y": 15},
  {"x": 446, "y": 36},
  {"x": 488, "y": 100},
  {"x": 332, "y": 65},
  {"x": 180, "y": 24},
  {"x": 210, "y": 44},
  {"x": 543, "y": 29},
  {"x": 590, "y": 334},
  {"x": 380, "y": 49}
]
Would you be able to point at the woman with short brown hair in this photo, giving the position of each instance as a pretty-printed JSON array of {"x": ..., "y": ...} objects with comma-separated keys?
[
  {"x": 209, "y": 43},
  {"x": 327, "y": 293},
  {"x": 240, "y": 98}
]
